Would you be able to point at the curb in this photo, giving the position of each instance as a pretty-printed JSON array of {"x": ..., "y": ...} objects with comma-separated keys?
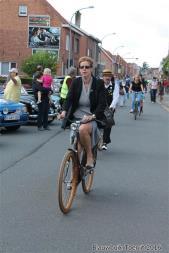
[{"x": 165, "y": 107}]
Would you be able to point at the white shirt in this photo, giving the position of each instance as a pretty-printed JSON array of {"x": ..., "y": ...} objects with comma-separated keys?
[{"x": 115, "y": 95}]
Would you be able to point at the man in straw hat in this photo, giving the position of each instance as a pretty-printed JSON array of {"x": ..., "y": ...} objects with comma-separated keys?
[{"x": 112, "y": 96}]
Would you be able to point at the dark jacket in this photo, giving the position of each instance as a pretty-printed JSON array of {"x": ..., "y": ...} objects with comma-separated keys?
[
  {"x": 97, "y": 98},
  {"x": 37, "y": 86}
]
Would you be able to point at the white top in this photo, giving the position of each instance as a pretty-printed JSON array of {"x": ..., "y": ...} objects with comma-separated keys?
[{"x": 115, "y": 95}]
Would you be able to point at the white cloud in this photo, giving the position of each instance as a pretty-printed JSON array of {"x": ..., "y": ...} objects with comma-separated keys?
[{"x": 141, "y": 25}]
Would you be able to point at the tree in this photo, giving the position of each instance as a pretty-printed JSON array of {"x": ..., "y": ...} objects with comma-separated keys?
[
  {"x": 47, "y": 60},
  {"x": 165, "y": 66}
]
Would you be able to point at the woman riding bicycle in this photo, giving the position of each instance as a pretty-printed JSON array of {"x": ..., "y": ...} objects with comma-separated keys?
[
  {"x": 86, "y": 101},
  {"x": 136, "y": 87}
]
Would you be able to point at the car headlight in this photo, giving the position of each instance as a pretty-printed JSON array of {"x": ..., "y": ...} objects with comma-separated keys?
[
  {"x": 5, "y": 110},
  {"x": 18, "y": 110},
  {"x": 24, "y": 109},
  {"x": 34, "y": 105}
]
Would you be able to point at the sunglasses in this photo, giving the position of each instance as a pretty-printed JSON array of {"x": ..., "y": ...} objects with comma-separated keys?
[{"x": 84, "y": 67}]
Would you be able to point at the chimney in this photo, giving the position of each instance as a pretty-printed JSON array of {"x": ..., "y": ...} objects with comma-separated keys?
[{"x": 78, "y": 19}]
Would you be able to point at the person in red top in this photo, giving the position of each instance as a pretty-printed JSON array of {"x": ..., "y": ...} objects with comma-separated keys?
[{"x": 46, "y": 82}]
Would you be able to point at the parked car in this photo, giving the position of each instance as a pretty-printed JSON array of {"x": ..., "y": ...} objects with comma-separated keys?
[
  {"x": 32, "y": 107},
  {"x": 12, "y": 114}
]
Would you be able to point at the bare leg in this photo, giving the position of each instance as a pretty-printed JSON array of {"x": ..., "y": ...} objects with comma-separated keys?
[
  {"x": 85, "y": 131},
  {"x": 39, "y": 96}
]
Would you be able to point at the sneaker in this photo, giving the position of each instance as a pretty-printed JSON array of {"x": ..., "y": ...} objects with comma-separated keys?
[
  {"x": 47, "y": 128},
  {"x": 38, "y": 102},
  {"x": 40, "y": 129},
  {"x": 69, "y": 186},
  {"x": 131, "y": 111},
  {"x": 104, "y": 146}
]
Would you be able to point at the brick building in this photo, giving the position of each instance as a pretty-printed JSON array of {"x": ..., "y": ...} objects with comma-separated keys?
[{"x": 22, "y": 21}]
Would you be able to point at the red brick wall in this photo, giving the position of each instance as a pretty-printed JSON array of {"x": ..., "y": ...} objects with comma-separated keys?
[{"x": 14, "y": 29}]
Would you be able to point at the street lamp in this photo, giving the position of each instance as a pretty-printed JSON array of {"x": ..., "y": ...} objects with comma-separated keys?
[
  {"x": 131, "y": 58},
  {"x": 117, "y": 48},
  {"x": 116, "y": 63},
  {"x": 70, "y": 33},
  {"x": 108, "y": 34}
]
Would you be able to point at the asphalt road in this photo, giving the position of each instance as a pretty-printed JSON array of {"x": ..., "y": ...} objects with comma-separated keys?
[{"x": 127, "y": 210}]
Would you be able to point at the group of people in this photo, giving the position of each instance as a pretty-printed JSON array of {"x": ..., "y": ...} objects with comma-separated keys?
[{"x": 82, "y": 98}]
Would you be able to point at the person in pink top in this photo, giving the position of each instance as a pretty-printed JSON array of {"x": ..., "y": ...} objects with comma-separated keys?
[{"x": 46, "y": 82}]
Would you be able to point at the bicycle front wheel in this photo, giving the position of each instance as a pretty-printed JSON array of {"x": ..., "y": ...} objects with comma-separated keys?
[
  {"x": 67, "y": 182},
  {"x": 87, "y": 178}
]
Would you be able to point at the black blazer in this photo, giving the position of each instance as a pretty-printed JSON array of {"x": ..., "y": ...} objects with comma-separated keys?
[{"x": 97, "y": 98}]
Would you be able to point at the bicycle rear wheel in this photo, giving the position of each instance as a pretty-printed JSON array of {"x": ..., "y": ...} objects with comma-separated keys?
[
  {"x": 87, "y": 178},
  {"x": 67, "y": 182}
]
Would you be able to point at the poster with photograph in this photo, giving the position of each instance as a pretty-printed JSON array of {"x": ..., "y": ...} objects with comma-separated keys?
[{"x": 40, "y": 37}]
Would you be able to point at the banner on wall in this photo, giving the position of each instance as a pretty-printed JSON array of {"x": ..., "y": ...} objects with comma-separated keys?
[{"x": 39, "y": 21}]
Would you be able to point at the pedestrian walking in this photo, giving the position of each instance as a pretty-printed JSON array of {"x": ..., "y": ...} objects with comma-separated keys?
[
  {"x": 66, "y": 84},
  {"x": 153, "y": 89},
  {"x": 13, "y": 87},
  {"x": 112, "y": 97},
  {"x": 161, "y": 90},
  {"x": 122, "y": 94},
  {"x": 43, "y": 107}
]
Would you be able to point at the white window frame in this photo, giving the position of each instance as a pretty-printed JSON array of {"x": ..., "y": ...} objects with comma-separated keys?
[
  {"x": 67, "y": 42},
  {"x": 23, "y": 10},
  {"x": 9, "y": 67}
]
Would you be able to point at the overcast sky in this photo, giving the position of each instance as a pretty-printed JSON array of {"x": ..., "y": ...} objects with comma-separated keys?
[{"x": 141, "y": 26}]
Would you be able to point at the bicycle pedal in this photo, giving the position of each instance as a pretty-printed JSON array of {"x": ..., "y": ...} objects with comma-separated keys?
[
  {"x": 69, "y": 186},
  {"x": 91, "y": 171}
]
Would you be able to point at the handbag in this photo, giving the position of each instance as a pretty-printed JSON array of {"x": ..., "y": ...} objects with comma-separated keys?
[{"x": 109, "y": 117}]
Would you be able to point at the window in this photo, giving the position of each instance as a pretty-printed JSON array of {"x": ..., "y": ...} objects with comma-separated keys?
[
  {"x": 22, "y": 10},
  {"x": 67, "y": 42},
  {"x": 5, "y": 67},
  {"x": 89, "y": 52},
  {"x": 76, "y": 48}
]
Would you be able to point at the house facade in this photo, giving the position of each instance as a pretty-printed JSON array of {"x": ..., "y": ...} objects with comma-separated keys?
[{"x": 33, "y": 26}]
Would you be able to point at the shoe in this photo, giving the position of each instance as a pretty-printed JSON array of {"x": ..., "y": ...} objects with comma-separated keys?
[
  {"x": 40, "y": 129},
  {"x": 38, "y": 102},
  {"x": 47, "y": 128},
  {"x": 69, "y": 185},
  {"x": 89, "y": 168},
  {"x": 104, "y": 146},
  {"x": 131, "y": 111}
]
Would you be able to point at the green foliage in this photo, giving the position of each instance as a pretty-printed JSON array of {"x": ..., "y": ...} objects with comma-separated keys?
[
  {"x": 47, "y": 60},
  {"x": 25, "y": 80},
  {"x": 2, "y": 80},
  {"x": 165, "y": 66}
]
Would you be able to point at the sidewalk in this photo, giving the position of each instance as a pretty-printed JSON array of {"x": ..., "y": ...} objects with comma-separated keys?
[{"x": 165, "y": 102}]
